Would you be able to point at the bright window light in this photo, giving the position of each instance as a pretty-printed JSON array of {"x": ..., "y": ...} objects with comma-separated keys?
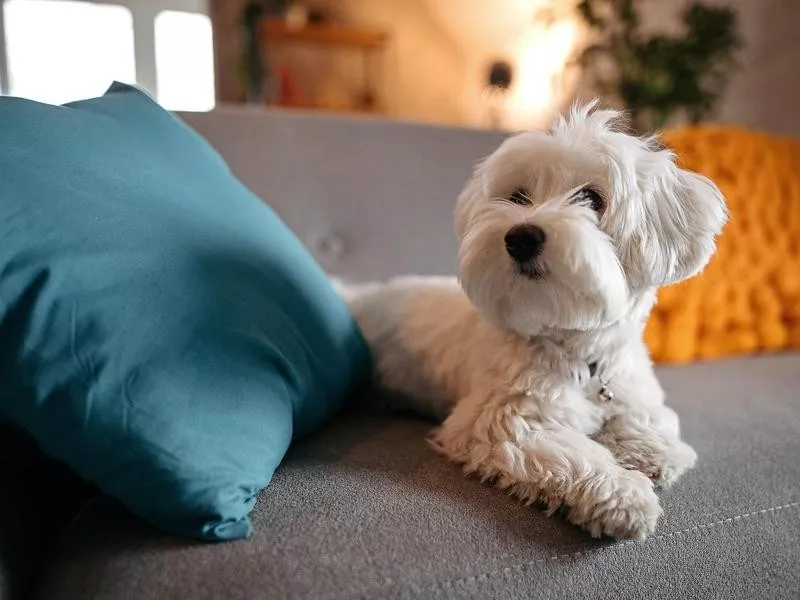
[
  {"x": 184, "y": 61},
  {"x": 64, "y": 50}
]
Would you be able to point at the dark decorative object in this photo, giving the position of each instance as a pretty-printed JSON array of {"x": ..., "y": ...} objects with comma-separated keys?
[
  {"x": 253, "y": 66},
  {"x": 500, "y": 75},
  {"x": 499, "y": 81},
  {"x": 659, "y": 77}
]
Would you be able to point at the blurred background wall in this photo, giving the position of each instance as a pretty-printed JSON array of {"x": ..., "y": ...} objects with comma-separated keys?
[
  {"x": 439, "y": 51},
  {"x": 418, "y": 60}
]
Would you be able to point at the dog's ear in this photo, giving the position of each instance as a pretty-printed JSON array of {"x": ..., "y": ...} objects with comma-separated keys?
[{"x": 684, "y": 213}]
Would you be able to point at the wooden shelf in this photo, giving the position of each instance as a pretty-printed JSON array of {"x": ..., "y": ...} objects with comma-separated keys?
[
  {"x": 328, "y": 37},
  {"x": 277, "y": 31}
]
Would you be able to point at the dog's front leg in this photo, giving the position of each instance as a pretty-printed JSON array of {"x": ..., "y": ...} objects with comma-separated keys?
[
  {"x": 640, "y": 431},
  {"x": 499, "y": 441}
]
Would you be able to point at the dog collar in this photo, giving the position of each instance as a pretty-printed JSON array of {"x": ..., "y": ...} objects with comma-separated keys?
[{"x": 604, "y": 393}]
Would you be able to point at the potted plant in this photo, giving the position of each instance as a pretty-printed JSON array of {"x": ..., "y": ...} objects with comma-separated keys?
[{"x": 657, "y": 78}]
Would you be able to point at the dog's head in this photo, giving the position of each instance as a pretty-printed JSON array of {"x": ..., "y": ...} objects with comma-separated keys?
[{"x": 568, "y": 228}]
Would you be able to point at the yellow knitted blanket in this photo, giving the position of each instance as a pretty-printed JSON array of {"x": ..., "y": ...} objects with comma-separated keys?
[{"x": 748, "y": 298}]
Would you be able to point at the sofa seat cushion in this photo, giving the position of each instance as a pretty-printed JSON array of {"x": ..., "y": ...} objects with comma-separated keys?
[{"x": 366, "y": 510}]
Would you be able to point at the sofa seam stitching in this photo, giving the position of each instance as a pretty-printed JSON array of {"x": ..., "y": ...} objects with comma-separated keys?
[{"x": 505, "y": 570}]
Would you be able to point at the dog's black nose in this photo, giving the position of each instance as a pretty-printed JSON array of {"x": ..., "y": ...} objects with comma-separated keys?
[{"x": 524, "y": 242}]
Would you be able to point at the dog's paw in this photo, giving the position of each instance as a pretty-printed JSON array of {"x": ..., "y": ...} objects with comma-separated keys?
[
  {"x": 624, "y": 506},
  {"x": 663, "y": 458},
  {"x": 679, "y": 458},
  {"x": 663, "y": 462}
]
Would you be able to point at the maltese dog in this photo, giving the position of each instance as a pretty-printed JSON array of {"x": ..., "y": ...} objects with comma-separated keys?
[{"x": 535, "y": 364}]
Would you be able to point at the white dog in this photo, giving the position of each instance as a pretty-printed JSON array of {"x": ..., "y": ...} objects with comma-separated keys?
[{"x": 537, "y": 365}]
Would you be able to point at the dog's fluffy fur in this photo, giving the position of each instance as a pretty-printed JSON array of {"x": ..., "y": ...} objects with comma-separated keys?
[{"x": 504, "y": 358}]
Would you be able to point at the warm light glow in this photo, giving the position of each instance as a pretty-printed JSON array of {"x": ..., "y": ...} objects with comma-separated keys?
[
  {"x": 541, "y": 56},
  {"x": 66, "y": 50}
]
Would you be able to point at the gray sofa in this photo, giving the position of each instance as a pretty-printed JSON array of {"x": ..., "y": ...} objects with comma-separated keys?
[{"x": 364, "y": 509}]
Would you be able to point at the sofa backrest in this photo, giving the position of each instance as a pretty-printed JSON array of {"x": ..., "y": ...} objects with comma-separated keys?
[{"x": 371, "y": 198}]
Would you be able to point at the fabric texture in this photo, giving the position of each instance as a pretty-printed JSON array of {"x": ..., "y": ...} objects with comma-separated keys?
[
  {"x": 161, "y": 330},
  {"x": 371, "y": 198},
  {"x": 748, "y": 299},
  {"x": 366, "y": 510}
]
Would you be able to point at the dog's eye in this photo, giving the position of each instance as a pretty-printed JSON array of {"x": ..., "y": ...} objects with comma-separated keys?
[
  {"x": 520, "y": 196},
  {"x": 591, "y": 197}
]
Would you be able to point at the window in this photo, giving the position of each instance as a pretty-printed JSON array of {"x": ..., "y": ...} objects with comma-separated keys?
[
  {"x": 184, "y": 60},
  {"x": 61, "y": 50}
]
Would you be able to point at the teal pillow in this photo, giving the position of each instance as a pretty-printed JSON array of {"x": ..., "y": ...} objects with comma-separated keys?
[{"x": 161, "y": 330}]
